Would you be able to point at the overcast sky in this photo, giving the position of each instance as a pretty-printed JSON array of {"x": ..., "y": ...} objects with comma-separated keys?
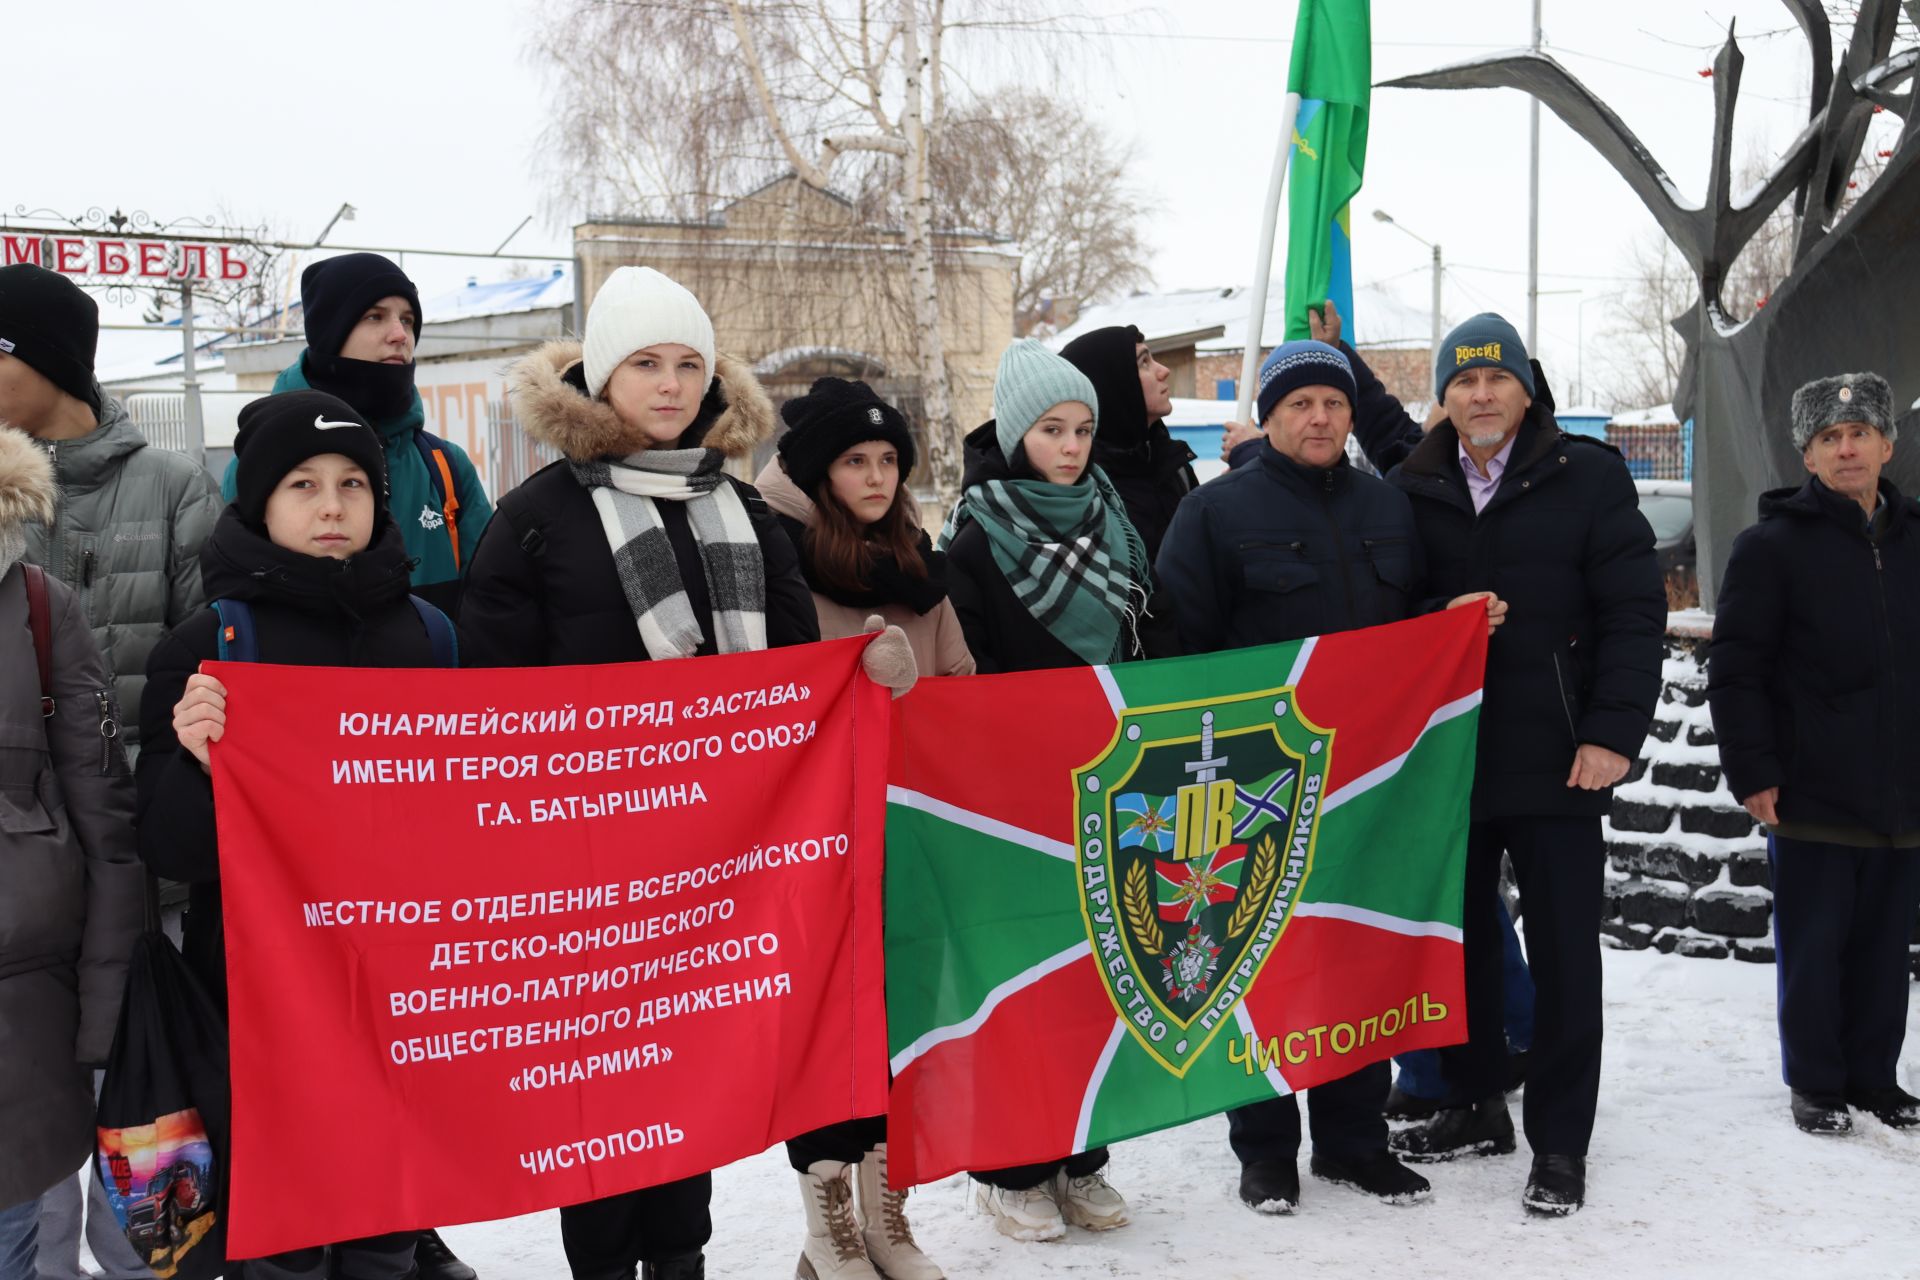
[{"x": 424, "y": 116}]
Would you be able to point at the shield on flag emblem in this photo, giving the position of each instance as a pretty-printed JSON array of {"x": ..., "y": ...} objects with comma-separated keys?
[{"x": 1194, "y": 836}]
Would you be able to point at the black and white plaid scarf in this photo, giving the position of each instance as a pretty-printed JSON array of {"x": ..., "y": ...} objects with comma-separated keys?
[{"x": 624, "y": 492}]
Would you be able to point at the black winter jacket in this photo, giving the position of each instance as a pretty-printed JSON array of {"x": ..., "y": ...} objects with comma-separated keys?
[
  {"x": 1814, "y": 673},
  {"x": 307, "y": 611},
  {"x": 1277, "y": 551},
  {"x": 543, "y": 590},
  {"x": 1001, "y": 634},
  {"x": 1563, "y": 542}
]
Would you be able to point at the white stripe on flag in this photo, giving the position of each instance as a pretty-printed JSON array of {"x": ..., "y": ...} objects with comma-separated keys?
[
  {"x": 1094, "y": 1082},
  {"x": 1108, "y": 686},
  {"x": 1379, "y": 920},
  {"x": 980, "y": 822},
  {"x": 1300, "y": 660},
  {"x": 1245, "y": 1019},
  {"x": 1380, "y": 773},
  {"x": 1012, "y": 986}
]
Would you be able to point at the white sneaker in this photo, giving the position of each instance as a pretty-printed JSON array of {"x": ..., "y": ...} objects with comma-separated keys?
[
  {"x": 1027, "y": 1214},
  {"x": 883, "y": 1215},
  {"x": 834, "y": 1249},
  {"x": 1090, "y": 1202}
]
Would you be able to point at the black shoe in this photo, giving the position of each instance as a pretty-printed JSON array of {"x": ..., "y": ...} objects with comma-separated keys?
[
  {"x": 1404, "y": 1106},
  {"x": 433, "y": 1260},
  {"x": 688, "y": 1266},
  {"x": 1484, "y": 1129},
  {"x": 1892, "y": 1106},
  {"x": 1270, "y": 1188},
  {"x": 1822, "y": 1113},
  {"x": 1378, "y": 1174},
  {"x": 1556, "y": 1187},
  {"x": 1516, "y": 1069}
]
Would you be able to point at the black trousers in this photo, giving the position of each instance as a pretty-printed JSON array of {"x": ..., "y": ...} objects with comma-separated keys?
[
  {"x": 1559, "y": 863},
  {"x": 1841, "y": 920},
  {"x": 388, "y": 1257},
  {"x": 1344, "y": 1115},
  {"x": 1022, "y": 1176},
  {"x": 606, "y": 1239},
  {"x": 846, "y": 1142}
]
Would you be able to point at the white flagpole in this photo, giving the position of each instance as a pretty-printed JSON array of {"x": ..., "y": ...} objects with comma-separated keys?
[{"x": 1263, "y": 265}]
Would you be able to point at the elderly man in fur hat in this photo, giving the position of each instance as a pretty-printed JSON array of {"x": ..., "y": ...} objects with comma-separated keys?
[{"x": 1814, "y": 682}]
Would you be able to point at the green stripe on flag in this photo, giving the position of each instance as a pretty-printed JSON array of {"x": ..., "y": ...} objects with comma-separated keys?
[
  {"x": 1390, "y": 862},
  {"x": 1331, "y": 70},
  {"x": 965, "y": 912},
  {"x": 1173, "y": 680},
  {"x": 1138, "y": 1095}
]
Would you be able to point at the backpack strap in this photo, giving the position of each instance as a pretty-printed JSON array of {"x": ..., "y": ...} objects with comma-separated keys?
[
  {"x": 433, "y": 452},
  {"x": 40, "y": 622},
  {"x": 237, "y": 640},
  {"x": 440, "y": 633}
]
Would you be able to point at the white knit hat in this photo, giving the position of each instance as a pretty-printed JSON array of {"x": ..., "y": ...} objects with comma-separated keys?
[{"x": 638, "y": 307}]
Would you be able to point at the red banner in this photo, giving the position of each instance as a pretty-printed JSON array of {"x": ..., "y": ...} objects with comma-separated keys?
[{"x": 509, "y": 939}]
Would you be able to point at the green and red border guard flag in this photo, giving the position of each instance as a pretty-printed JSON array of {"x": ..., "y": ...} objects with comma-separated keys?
[
  {"x": 1132, "y": 896},
  {"x": 1332, "y": 71}
]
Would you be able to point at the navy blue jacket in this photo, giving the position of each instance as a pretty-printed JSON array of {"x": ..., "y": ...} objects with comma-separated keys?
[
  {"x": 1276, "y": 551},
  {"x": 1814, "y": 673}
]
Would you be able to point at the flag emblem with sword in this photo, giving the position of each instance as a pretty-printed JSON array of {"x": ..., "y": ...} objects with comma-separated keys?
[{"x": 1194, "y": 837}]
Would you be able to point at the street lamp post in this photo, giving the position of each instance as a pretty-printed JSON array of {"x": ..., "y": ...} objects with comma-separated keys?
[{"x": 1439, "y": 332}]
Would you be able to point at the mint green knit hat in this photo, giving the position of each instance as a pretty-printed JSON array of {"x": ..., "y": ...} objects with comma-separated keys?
[{"x": 1030, "y": 381}]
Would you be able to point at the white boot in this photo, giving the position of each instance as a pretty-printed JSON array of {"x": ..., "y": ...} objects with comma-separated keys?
[
  {"x": 883, "y": 1214},
  {"x": 1027, "y": 1214},
  {"x": 833, "y": 1250},
  {"x": 1090, "y": 1202}
]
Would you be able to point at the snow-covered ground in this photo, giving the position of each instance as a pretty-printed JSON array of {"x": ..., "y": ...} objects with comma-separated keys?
[{"x": 1696, "y": 1171}]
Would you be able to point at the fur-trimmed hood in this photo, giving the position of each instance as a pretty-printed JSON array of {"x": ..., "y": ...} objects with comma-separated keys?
[
  {"x": 548, "y": 393},
  {"x": 26, "y": 481}
]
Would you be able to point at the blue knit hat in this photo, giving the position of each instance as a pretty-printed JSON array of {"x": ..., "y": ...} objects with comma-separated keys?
[
  {"x": 1485, "y": 340},
  {"x": 1030, "y": 381},
  {"x": 1302, "y": 364}
]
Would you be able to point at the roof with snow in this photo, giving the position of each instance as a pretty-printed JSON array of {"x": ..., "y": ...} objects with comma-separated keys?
[
  {"x": 1381, "y": 320},
  {"x": 1660, "y": 415},
  {"x": 501, "y": 297}
]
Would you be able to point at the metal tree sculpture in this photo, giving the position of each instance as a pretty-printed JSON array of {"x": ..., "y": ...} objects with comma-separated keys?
[{"x": 1848, "y": 303}]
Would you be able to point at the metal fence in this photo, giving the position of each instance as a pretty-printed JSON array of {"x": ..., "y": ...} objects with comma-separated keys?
[
  {"x": 513, "y": 454},
  {"x": 1658, "y": 452}
]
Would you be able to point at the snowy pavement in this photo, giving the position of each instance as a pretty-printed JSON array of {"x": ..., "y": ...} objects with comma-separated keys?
[{"x": 1696, "y": 1171}]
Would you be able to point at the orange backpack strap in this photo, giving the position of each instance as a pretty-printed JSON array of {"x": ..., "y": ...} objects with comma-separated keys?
[{"x": 452, "y": 507}]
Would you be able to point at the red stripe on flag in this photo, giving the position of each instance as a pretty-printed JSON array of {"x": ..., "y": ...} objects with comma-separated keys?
[
  {"x": 1010, "y": 1093},
  {"x": 1378, "y": 687},
  {"x": 1333, "y": 972},
  {"x": 978, "y": 742}
]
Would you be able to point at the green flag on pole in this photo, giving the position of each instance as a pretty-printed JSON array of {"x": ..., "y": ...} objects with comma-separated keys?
[{"x": 1332, "y": 71}]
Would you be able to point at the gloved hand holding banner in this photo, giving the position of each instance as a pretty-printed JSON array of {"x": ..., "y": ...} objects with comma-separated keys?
[{"x": 508, "y": 939}]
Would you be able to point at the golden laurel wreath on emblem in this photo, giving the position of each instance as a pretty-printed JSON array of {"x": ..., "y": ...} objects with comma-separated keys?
[
  {"x": 1265, "y": 862},
  {"x": 1136, "y": 898}
]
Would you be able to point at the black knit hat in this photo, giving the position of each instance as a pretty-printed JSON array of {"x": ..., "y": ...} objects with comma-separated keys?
[
  {"x": 336, "y": 292},
  {"x": 48, "y": 323},
  {"x": 830, "y": 419},
  {"x": 278, "y": 433}
]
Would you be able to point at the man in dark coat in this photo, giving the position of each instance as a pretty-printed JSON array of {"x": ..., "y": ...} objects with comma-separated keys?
[
  {"x": 1815, "y": 691},
  {"x": 1151, "y": 469},
  {"x": 1300, "y": 543},
  {"x": 1504, "y": 501}
]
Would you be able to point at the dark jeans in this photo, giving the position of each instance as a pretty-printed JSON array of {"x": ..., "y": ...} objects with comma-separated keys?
[
  {"x": 1841, "y": 919},
  {"x": 388, "y": 1257},
  {"x": 607, "y": 1238},
  {"x": 1344, "y": 1115},
  {"x": 1559, "y": 865},
  {"x": 846, "y": 1142},
  {"x": 1022, "y": 1176},
  {"x": 1420, "y": 1075}
]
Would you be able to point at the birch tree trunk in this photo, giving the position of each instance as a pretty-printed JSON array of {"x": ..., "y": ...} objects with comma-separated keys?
[{"x": 943, "y": 443}]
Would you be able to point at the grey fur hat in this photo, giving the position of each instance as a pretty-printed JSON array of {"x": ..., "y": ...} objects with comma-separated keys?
[{"x": 1845, "y": 397}]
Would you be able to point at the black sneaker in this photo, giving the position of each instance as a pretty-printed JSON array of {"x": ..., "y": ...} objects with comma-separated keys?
[
  {"x": 1892, "y": 1106},
  {"x": 686, "y": 1266},
  {"x": 1822, "y": 1113},
  {"x": 1402, "y": 1105},
  {"x": 433, "y": 1260},
  {"x": 1378, "y": 1174},
  {"x": 1484, "y": 1129},
  {"x": 1270, "y": 1188},
  {"x": 1556, "y": 1187}
]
